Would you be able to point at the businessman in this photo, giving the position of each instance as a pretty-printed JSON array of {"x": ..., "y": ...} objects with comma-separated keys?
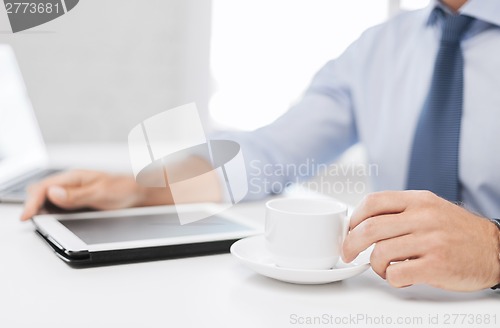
[{"x": 421, "y": 93}]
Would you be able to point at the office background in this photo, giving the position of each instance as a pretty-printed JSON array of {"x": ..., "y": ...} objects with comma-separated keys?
[{"x": 95, "y": 72}]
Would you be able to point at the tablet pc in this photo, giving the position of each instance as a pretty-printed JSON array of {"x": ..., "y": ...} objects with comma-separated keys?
[{"x": 139, "y": 234}]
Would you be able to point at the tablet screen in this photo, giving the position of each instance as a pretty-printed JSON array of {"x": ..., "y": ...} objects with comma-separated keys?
[{"x": 142, "y": 227}]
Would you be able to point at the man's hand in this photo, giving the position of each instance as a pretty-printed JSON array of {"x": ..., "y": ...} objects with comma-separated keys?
[
  {"x": 77, "y": 189},
  {"x": 423, "y": 239},
  {"x": 102, "y": 191}
]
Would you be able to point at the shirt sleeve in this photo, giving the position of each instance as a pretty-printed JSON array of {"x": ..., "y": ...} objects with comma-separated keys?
[{"x": 314, "y": 131}]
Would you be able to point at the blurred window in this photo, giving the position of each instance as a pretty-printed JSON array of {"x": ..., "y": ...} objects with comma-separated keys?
[{"x": 264, "y": 53}]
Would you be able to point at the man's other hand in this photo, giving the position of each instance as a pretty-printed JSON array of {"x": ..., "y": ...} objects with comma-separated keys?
[{"x": 421, "y": 238}]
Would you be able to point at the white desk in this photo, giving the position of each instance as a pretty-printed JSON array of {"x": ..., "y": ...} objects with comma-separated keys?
[{"x": 38, "y": 290}]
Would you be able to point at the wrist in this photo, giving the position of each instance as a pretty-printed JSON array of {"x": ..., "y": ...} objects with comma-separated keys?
[
  {"x": 496, "y": 223},
  {"x": 150, "y": 196}
]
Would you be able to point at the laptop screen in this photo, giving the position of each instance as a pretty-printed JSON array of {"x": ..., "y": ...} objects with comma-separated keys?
[{"x": 21, "y": 144}]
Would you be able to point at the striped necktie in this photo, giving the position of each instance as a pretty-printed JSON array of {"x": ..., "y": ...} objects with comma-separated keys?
[{"x": 435, "y": 152}]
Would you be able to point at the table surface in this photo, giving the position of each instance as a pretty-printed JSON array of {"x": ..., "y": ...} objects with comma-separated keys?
[{"x": 38, "y": 289}]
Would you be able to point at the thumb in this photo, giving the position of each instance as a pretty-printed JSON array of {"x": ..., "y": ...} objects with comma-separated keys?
[{"x": 70, "y": 197}]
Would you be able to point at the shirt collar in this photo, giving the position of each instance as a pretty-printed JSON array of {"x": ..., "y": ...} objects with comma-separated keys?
[{"x": 484, "y": 10}]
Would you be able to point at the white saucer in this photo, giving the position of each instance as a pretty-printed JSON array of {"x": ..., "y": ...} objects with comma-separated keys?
[{"x": 252, "y": 252}]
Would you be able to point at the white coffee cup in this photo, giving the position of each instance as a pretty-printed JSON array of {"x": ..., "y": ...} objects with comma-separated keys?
[{"x": 305, "y": 233}]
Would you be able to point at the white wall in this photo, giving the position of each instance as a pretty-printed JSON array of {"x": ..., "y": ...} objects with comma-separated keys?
[{"x": 95, "y": 72}]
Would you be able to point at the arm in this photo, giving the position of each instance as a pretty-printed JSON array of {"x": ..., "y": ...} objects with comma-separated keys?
[{"x": 316, "y": 130}]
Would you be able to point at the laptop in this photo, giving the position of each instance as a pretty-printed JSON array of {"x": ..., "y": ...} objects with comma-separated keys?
[{"x": 23, "y": 155}]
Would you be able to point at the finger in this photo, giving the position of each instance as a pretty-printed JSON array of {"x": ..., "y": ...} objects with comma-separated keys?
[
  {"x": 394, "y": 250},
  {"x": 378, "y": 203},
  {"x": 72, "y": 197},
  {"x": 37, "y": 193},
  {"x": 407, "y": 273},
  {"x": 373, "y": 230},
  {"x": 67, "y": 178},
  {"x": 33, "y": 203}
]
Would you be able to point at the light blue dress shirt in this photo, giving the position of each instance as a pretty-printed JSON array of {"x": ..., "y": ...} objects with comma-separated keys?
[{"x": 374, "y": 93}]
